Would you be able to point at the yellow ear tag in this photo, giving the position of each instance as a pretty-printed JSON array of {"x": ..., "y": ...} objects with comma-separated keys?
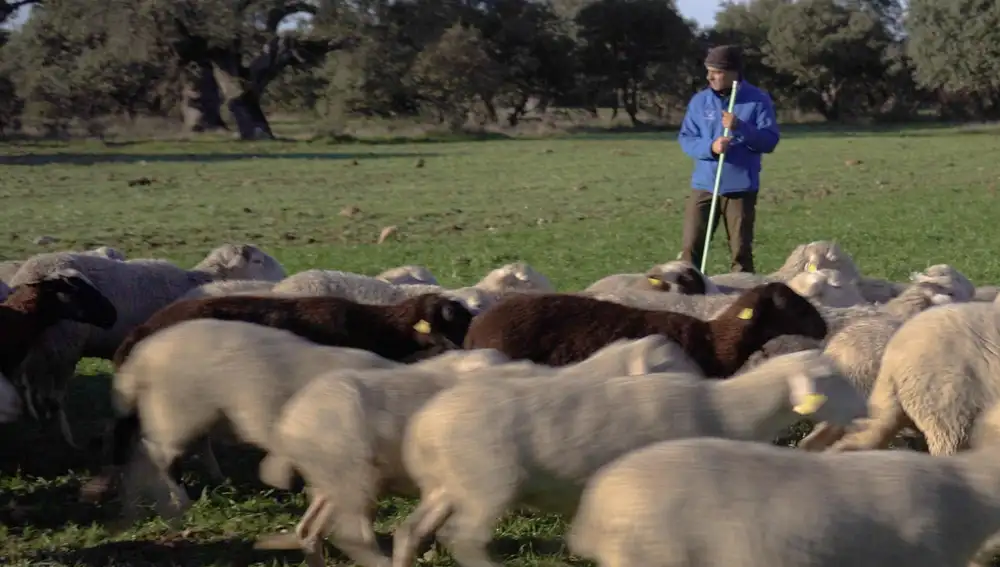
[
  {"x": 422, "y": 327},
  {"x": 810, "y": 405},
  {"x": 654, "y": 282},
  {"x": 746, "y": 314},
  {"x": 810, "y": 267}
]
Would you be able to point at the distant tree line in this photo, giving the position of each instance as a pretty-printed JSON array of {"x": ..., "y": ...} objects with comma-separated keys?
[{"x": 214, "y": 64}]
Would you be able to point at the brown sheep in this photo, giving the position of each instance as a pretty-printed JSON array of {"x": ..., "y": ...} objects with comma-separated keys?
[
  {"x": 403, "y": 331},
  {"x": 559, "y": 329}
]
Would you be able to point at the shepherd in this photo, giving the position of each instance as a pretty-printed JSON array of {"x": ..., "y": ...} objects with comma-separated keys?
[{"x": 753, "y": 129}]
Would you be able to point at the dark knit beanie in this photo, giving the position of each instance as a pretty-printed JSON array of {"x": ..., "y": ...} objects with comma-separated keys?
[{"x": 725, "y": 57}]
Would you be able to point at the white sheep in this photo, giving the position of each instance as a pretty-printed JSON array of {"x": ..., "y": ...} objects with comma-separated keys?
[
  {"x": 940, "y": 370},
  {"x": 408, "y": 274},
  {"x": 184, "y": 380},
  {"x": 480, "y": 447},
  {"x": 699, "y": 502},
  {"x": 939, "y": 284},
  {"x": 10, "y": 267},
  {"x": 344, "y": 430},
  {"x": 516, "y": 277},
  {"x": 137, "y": 288},
  {"x": 817, "y": 255},
  {"x": 859, "y": 345},
  {"x": 678, "y": 275}
]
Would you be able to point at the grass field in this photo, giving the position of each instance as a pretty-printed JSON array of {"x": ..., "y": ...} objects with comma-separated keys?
[{"x": 575, "y": 208}]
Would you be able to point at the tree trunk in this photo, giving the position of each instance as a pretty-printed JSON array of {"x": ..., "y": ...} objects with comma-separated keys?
[{"x": 202, "y": 102}]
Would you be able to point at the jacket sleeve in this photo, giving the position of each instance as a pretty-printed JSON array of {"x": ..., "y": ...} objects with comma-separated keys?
[
  {"x": 763, "y": 136},
  {"x": 693, "y": 143}
]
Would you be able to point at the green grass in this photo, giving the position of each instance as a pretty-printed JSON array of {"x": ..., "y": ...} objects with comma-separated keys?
[{"x": 577, "y": 208}]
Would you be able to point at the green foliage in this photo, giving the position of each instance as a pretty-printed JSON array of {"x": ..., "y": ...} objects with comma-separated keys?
[
  {"x": 452, "y": 71},
  {"x": 955, "y": 47},
  {"x": 833, "y": 53},
  {"x": 843, "y": 59}
]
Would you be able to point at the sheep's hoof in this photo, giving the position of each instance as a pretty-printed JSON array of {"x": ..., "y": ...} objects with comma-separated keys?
[{"x": 100, "y": 488}]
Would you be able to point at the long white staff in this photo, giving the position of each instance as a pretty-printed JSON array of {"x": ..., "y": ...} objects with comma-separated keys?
[{"x": 715, "y": 191}]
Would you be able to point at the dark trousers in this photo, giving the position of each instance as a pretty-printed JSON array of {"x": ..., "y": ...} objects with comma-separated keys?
[{"x": 737, "y": 210}]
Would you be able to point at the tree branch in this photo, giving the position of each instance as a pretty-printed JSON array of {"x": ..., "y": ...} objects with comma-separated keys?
[
  {"x": 8, "y": 7},
  {"x": 276, "y": 15}
]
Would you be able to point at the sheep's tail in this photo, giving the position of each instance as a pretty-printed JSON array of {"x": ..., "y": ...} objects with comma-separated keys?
[{"x": 277, "y": 471}]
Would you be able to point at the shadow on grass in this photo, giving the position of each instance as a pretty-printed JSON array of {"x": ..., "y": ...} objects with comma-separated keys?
[
  {"x": 75, "y": 158},
  {"x": 237, "y": 553},
  {"x": 43, "y": 474},
  {"x": 917, "y": 129}
]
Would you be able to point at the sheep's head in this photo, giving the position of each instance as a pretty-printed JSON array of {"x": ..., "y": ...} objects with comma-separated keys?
[
  {"x": 819, "y": 255},
  {"x": 927, "y": 295},
  {"x": 474, "y": 299},
  {"x": 438, "y": 320},
  {"x": 11, "y": 406},
  {"x": 518, "y": 276},
  {"x": 242, "y": 262},
  {"x": 408, "y": 274},
  {"x": 947, "y": 278},
  {"x": 681, "y": 277},
  {"x": 68, "y": 294},
  {"x": 774, "y": 309},
  {"x": 827, "y": 287},
  {"x": 817, "y": 389},
  {"x": 109, "y": 252}
]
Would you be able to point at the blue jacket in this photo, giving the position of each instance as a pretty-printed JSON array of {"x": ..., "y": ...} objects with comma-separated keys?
[{"x": 757, "y": 134}]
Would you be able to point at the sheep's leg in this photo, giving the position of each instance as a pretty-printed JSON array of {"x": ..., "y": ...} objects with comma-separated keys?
[
  {"x": 164, "y": 459},
  {"x": 64, "y": 428},
  {"x": 312, "y": 527},
  {"x": 469, "y": 532},
  {"x": 821, "y": 437},
  {"x": 878, "y": 434},
  {"x": 430, "y": 514},
  {"x": 208, "y": 459}
]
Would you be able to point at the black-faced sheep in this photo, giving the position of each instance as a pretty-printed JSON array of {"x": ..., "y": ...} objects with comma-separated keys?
[{"x": 558, "y": 329}]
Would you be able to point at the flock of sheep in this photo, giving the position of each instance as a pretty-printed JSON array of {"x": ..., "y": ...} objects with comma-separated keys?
[{"x": 642, "y": 408}]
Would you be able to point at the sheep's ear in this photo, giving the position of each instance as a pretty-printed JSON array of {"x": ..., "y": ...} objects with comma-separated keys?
[
  {"x": 246, "y": 251},
  {"x": 655, "y": 282},
  {"x": 811, "y": 267},
  {"x": 802, "y": 394},
  {"x": 422, "y": 327},
  {"x": 746, "y": 314}
]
